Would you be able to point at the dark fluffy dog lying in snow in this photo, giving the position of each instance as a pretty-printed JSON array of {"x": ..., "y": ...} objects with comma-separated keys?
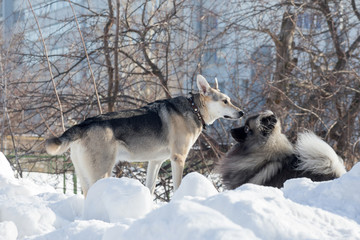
[{"x": 264, "y": 156}]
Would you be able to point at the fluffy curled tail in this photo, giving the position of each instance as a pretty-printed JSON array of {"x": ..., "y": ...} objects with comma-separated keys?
[
  {"x": 317, "y": 156},
  {"x": 58, "y": 145}
]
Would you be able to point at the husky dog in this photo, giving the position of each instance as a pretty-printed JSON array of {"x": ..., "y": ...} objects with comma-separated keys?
[
  {"x": 165, "y": 129},
  {"x": 264, "y": 156}
]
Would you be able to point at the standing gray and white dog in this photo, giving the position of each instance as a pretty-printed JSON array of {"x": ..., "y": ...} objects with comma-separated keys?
[
  {"x": 165, "y": 129},
  {"x": 264, "y": 156}
]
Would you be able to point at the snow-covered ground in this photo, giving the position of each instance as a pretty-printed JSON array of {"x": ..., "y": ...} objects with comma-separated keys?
[
  {"x": 61, "y": 182},
  {"x": 123, "y": 209}
]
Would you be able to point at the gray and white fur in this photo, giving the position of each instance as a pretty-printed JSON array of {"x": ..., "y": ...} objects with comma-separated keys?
[
  {"x": 264, "y": 156},
  {"x": 165, "y": 129}
]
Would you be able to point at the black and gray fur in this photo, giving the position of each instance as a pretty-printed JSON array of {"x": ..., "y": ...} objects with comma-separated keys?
[{"x": 264, "y": 156}]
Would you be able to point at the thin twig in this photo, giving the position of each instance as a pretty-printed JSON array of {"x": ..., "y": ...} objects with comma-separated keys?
[
  {"x": 13, "y": 142},
  {"x": 299, "y": 107}
]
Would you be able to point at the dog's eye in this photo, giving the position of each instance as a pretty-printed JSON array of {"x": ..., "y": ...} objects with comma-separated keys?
[
  {"x": 246, "y": 129},
  {"x": 225, "y": 101}
]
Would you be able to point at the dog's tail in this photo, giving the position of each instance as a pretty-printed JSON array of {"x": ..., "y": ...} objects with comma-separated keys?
[
  {"x": 317, "y": 156},
  {"x": 58, "y": 145}
]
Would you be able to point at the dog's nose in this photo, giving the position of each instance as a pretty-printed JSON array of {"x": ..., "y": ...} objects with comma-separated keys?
[{"x": 241, "y": 114}]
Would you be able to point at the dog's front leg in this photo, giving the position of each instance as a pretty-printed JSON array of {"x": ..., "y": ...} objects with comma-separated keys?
[
  {"x": 177, "y": 168},
  {"x": 151, "y": 175}
]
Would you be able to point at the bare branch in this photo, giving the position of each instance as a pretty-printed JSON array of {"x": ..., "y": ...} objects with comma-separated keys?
[
  {"x": 88, "y": 60},
  {"x": 50, "y": 71}
]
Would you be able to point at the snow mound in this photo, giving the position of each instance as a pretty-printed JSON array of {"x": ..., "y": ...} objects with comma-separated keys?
[
  {"x": 186, "y": 220},
  {"x": 5, "y": 168},
  {"x": 8, "y": 230},
  {"x": 195, "y": 185},
  {"x": 336, "y": 196},
  {"x": 20, "y": 203},
  {"x": 79, "y": 230},
  {"x": 112, "y": 199},
  {"x": 270, "y": 215},
  {"x": 123, "y": 209}
]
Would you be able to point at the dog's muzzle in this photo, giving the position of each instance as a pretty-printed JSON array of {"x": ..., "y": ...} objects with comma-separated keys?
[{"x": 240, "y": 115}]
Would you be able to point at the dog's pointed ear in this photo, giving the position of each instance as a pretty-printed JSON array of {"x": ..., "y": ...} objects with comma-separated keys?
[
  {"x": 202, "y": 85},
  {"x": 216, "y": 84}
]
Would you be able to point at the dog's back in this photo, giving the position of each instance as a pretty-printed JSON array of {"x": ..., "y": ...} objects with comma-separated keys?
[
  {"x": 313, "y": 158},
  {"x": 290, "y": 169},
  {"x": 128, "y": 126},
  {"x": 118, "y": 121}
]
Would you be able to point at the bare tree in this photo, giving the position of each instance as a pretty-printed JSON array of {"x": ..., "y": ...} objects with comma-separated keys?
[
  {"x": 315, "y": 77},
  {"x": 298, "y": 58}
]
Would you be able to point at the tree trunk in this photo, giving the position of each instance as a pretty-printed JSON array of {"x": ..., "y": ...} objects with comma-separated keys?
[{"x": 285, "y": 63}]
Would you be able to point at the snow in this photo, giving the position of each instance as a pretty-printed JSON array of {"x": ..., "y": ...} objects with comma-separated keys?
[
  {"x": 133, "y": 200},
  {"x": 124, "y": 209},
  {"x": 8, "y": 230},
  {"x": 195, "y": 185},
  {"x": 61, "y": 182}
]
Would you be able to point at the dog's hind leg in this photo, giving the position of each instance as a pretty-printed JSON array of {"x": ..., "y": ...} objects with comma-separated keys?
[
  {"x": 152, "y": 172},
  {"x": 94, "y": 156},
  {"x": 78, "y": 158}
]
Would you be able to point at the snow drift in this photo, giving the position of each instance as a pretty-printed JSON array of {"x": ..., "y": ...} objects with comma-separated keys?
[{"x": 123, "y": 209}]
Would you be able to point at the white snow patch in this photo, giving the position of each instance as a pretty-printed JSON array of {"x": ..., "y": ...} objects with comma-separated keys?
[
  {"x": 113, "y": 199},
  {"x": 5, "y": 168},
  {"x": 8, "y": 230},
  {"x": 195, "y": 185},
  {"x": 123, "y": 209}
]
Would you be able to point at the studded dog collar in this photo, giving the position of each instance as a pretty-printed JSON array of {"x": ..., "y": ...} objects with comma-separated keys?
[{"x": 196, "y": 110}]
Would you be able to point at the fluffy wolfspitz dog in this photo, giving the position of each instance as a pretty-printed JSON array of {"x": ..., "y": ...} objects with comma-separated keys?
[{"x": 264, "y": 156}]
